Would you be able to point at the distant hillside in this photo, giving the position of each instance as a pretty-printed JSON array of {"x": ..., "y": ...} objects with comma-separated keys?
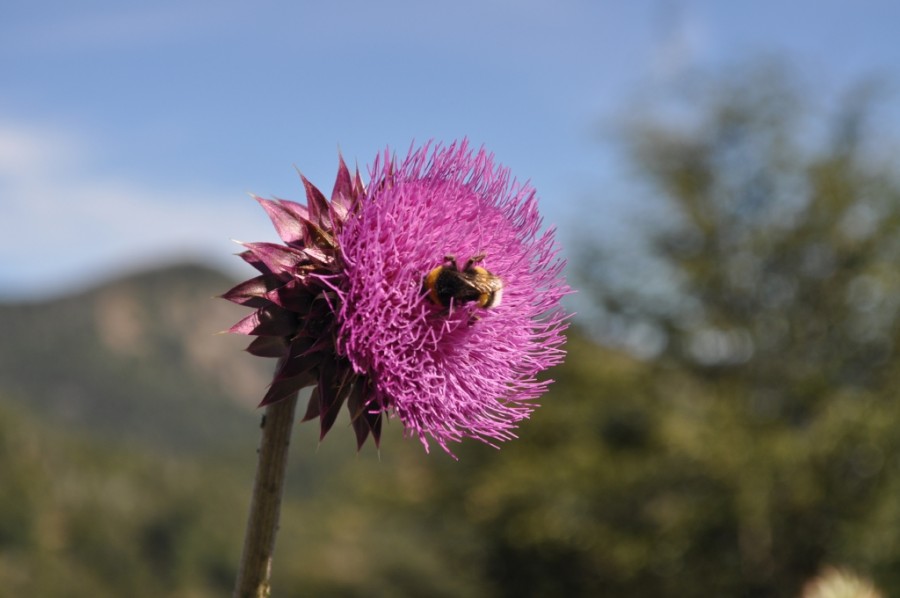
[{"x": 137, "y": 359}]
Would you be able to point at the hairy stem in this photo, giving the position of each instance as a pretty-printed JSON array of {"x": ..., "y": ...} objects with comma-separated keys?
[{"x": 265, "y": 506}]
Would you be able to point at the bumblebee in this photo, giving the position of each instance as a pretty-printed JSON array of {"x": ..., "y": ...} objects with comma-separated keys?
[{"x": 473, "y": 283}]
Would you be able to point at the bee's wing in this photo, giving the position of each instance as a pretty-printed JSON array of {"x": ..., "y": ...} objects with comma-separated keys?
[{"x": 484, "y": 283}]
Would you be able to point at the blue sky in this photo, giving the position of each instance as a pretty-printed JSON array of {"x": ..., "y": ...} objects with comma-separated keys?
[{"x": 130, "y": 133}]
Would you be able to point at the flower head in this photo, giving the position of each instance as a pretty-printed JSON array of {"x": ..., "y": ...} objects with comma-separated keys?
[{"x": 348, "y": 305}]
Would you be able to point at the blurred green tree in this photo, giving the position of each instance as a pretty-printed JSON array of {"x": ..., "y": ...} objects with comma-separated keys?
[
  {"x": 755, "y": 443},
  {"x": 780, "y": 251}
]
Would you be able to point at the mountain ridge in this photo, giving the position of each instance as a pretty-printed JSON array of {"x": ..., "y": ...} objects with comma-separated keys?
[{"x": 136, "y": 358}]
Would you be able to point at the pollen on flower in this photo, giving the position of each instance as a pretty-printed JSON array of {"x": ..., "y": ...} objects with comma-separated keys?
[{"x": 345, "y": 301}]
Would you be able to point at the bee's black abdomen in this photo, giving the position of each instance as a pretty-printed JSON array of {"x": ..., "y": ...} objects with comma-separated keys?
[{"x": 450, "y": 284}]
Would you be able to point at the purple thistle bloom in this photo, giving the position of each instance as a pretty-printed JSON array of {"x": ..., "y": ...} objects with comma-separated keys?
[{"x": 344, "y": 302}]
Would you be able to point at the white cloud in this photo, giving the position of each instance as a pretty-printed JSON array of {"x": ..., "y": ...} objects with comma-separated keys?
[
  {"x": 23, "y": 149},
  {"x": 61, "y": 226}
]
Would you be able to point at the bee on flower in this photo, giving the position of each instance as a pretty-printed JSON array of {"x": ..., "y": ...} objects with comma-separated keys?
[{"x": 366, "y": 302}]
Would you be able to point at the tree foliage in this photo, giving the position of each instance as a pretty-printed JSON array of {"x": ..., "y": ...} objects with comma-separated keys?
[{"x": 777, "y": 240}]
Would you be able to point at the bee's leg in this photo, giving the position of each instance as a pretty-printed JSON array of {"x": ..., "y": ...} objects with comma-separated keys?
[{"x": 474, "y": 260}]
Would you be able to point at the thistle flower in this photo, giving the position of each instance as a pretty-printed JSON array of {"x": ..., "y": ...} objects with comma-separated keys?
[{"x": 345, "y": 306}]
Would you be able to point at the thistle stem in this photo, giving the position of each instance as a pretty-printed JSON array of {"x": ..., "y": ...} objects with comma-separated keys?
[{"x": 265, "y": 506}]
